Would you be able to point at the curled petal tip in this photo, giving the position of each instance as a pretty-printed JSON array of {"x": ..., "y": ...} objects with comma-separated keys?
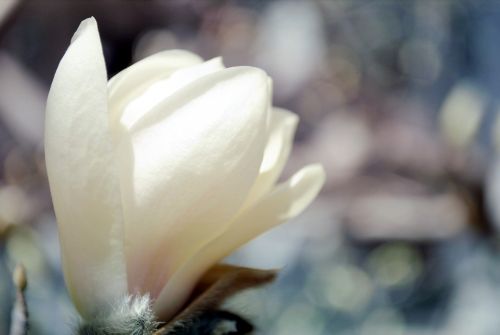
[
  {"x": 316, "y": 173},
  {"x": 304, "y": 187},
  {"x": 253, "y": 75},
  {"x": 86, "y": 25},
  {"x": 311, "y": 175},
  {"x": 290, "y": 120}
]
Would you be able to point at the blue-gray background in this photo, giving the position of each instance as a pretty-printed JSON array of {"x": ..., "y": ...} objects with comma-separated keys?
[{"x": 398, "y": 100}]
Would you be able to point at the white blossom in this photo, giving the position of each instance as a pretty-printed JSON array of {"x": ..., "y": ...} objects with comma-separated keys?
[{"x": 161, "y": 172}]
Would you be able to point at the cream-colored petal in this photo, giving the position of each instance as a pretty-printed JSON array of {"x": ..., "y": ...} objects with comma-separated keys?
[
  {"x": 83, "y": 179},
  {"x": 162, "y": 90},
  {"x": 150, "y": 69},
  {"x": 283, "y": 124},
  {"x": 134, "y": 80},
  {"x": 192, "y": 161},
  {"x": 284, "y": 202}
]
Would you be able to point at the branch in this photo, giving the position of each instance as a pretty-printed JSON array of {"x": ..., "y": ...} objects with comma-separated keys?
[{"x": 19, "y": 317}]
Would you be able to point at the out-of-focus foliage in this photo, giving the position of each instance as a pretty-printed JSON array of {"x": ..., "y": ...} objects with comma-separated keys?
[{"x": 399, "y": 101}]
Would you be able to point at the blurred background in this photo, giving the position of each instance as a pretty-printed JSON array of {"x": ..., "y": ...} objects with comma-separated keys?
[{"x": 399, "y": 101}]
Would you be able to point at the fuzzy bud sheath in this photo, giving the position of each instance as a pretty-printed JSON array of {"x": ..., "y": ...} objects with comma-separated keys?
[
  {"x": 134, "y": 316},
  {"x": 130, "y": 316}
]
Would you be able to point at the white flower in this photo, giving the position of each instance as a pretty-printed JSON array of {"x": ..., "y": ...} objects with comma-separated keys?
[{"x": 161, "y": 172}]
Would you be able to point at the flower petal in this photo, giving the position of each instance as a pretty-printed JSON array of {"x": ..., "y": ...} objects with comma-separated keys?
[
  {"x": 163, "y": 89},
  {"x": 83, "y": 180},
  {"x": 151, "y": 69},
  {"x": 134, "y": 80},
  {"x": 284, "y": 202},
  {"x": 279, "y": 144},
  {"x": 191, "y": 160}
]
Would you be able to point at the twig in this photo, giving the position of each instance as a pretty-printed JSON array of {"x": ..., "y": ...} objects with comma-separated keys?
[{"x": 19, "y": 317}]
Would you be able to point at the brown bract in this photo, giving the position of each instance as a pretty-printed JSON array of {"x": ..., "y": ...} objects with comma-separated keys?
[{"x": 218, "y": 284}]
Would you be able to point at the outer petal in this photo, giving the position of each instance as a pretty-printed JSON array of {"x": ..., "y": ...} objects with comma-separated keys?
[
  {"x": 192, "y": 161},
  {"x": 283, "y": 124},
  {"x": 284, "y": 202},
  {"x": 134, "y": 80},
  {"x": 82, "y": 176}
]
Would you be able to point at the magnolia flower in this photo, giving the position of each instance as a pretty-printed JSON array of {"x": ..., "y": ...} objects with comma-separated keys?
[{"x": 162, "y": 171}]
